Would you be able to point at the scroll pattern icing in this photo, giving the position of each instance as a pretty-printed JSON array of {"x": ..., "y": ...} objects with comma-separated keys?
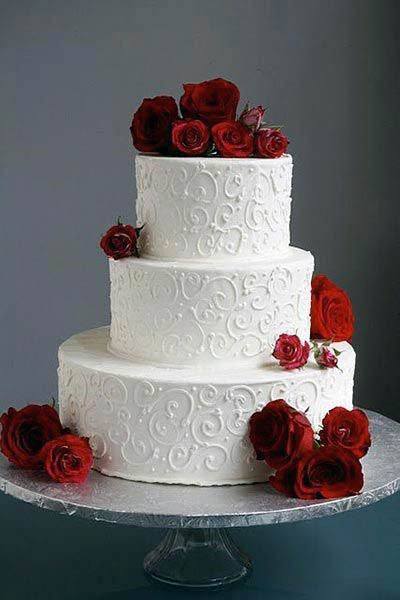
[
  {"x": 178, "y": 316},
  {"x": 203, "y": 208},
  {"x": 147, "y": 429}
]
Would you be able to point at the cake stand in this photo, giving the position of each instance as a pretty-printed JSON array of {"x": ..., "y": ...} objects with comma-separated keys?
[{"x": 198, "y": 552}]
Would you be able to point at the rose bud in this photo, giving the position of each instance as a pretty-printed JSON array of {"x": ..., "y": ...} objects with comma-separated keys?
[
  {"x": 280, "y": 434},
  {"x": 332, "y": 315},
  {"x": 325, "y": 472},
  {"x": 151, "y": 124},
  {"x": 68, "y": 459},
  {"x": 325, "y": 358},
  {"x": 270, "y": 143},
  {"x": 290, "y": 352},
  {"x": 25, "y": 432},
  {"x": 232, "y": 139},
  {"x": 211, "y": 101},
  {"x": 252, "y": 117},
  {"x": 347, "y": 429},
  {"x": 120, "y": 241},
  {"x": 190, "y": 137}
]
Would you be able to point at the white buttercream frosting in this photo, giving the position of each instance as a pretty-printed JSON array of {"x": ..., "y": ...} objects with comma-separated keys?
[
  {"x": 207, "y": 313},
  {"x": 158, "y": 424},
  {"x": 196, "y": 208}
]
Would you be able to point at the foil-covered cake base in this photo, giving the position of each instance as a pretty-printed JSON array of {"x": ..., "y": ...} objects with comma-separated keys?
[
  {"x": 198, "y": 552},
  {"x": 159, "y": 505}
]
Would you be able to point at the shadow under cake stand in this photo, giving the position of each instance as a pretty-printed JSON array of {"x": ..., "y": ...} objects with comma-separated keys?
[{"x": 198, "y": 552}]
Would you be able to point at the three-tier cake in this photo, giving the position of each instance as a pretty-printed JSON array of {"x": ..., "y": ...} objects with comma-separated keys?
[{"x": 165, "y": 394}]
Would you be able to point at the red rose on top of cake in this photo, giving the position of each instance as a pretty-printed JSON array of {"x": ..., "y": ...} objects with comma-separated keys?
[
  {"x": 332, "y": 315},
  {"x": 211, "y": 101},
  {"x": 205, "y": 106},
  {"x": 252, "y": 117},
  {"x": 151, "y": 124},
  {"x": 232, "y": 139},
  {"x": 270, "y": 142},
  {"x": 26, "y": 431},
  {"x": 190, "y": 137}
]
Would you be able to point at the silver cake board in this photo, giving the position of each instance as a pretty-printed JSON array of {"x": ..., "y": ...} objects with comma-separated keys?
[{"x": 198, "y": 551}]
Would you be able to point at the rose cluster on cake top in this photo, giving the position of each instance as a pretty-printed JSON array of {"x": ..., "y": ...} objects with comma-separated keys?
[{"x": 208, "y": 125}]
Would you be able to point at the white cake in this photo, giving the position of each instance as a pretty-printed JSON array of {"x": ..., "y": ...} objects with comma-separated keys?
[
  {"x": 213, "y": 315},
  {"x": 213, "y": 207},
  {"x": 165, "y": 394}
]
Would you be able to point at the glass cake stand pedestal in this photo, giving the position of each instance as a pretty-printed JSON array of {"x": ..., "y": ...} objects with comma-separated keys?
[{"x": 198, "y": 551}]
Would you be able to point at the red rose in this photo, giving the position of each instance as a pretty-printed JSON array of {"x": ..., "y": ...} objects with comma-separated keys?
[
  {"x": 232, "y": 139},
  {"x": 325, "y": 472},
  {"x": 270, "y": 143},
  {"x": 151, "y": 124},
  {"x": 331, "y": 311},
  {"x": 68, "y": 459},
  {"x": 290, "y": 352},
  {"x": 211, "y": 101},
  {"x": 325, "y": 358},
  {"x": 190, "y": 137},
  {"x": 252, "y": 117},
  {"x": 25, "y": 432},
  {"x": 280, "y": 434},
  {"x": 347, "y": 429},
  {"x": 119, "y": 241}
]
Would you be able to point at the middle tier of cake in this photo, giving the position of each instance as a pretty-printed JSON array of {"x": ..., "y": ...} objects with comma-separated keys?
[{"x": 190, "y": 313}]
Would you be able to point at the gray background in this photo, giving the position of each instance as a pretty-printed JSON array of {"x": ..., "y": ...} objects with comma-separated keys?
[{"x": 71, "y": 75}]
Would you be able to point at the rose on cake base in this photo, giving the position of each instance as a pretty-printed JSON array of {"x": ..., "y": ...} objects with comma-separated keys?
[
  {"x": 311, "y": 465},
  {"x": 33, "y": 438}
]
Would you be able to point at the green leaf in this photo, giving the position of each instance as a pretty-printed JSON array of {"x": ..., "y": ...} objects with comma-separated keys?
[
  {"x": 337, "y": 352},
  {"x": 212, "y": 151}
]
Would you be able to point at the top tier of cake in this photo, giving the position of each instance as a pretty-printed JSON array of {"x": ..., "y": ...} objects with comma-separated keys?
[{"x": 213, "y": 208}]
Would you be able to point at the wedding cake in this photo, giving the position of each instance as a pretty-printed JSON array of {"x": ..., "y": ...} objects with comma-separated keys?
[{"x": 166, "y": 392}]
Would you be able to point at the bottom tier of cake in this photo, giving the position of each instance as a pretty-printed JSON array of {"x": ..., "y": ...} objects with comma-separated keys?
[{"x": 154, "y": 424}]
